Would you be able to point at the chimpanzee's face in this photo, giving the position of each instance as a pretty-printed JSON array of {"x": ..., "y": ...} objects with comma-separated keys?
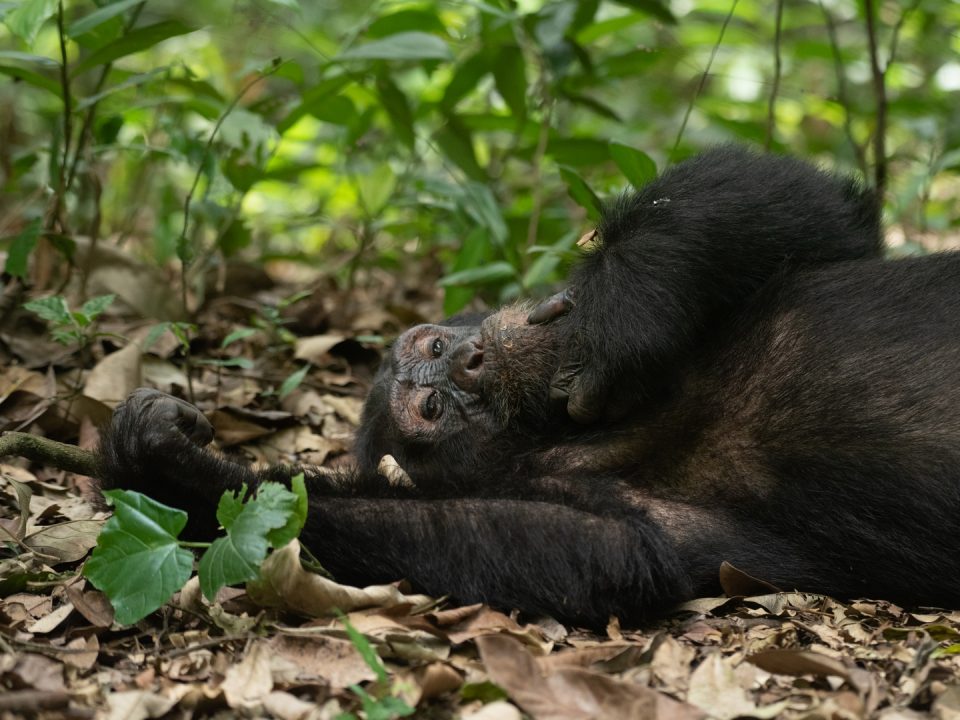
[{"x": 455, "y": 386}]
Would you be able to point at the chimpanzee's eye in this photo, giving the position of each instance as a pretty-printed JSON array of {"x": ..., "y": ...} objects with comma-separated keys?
[
  {"x": 431, "y": 408},
  {"x": 437, "y": 348}
]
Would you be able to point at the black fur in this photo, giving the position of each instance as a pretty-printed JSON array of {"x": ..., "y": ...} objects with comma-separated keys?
[{"x": 739, "y": 378}]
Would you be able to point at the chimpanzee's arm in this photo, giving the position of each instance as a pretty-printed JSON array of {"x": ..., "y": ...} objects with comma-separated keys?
[
  {"x": 536, "y": 555},
  {"x": 683, "y": 254},
  {"x": 578, "y": 560}
]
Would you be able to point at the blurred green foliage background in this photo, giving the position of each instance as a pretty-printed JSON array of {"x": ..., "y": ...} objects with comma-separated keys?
[{"x": 355, "y": 135}]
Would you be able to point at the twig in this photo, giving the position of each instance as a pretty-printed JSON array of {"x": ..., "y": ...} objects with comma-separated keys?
[
  {"x": 67, "y": 107},
  {"x": 775, "y": 88},
  {"x": 880, "y": 97},
  {"x": 32, "y": 700},
  {"x": 703, "y": 80},
  {"x": 842, "y": 94},
  {"x": 49, "y": 452},
  {"x": 91, "y": 111}
]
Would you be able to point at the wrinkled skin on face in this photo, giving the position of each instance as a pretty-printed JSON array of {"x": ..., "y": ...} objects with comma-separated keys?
[{"x": 449, "y": 393}]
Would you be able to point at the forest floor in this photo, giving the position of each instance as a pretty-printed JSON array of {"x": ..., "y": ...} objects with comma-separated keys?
[{"x": 754, "y": 652}]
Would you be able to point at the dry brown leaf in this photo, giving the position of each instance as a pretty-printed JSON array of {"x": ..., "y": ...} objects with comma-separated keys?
[
  {"x": 92, "y": 604},
  {"x": 36, "y": 671},
  {"x": 49, "y": 623},
  {"x": 334, "y": 661},
  {"x": 138, "y": 705},
  {"x": 83, "y": 652},
  {"x": 65, "y": 542},
  {"x": 947, "y": 704},
  {"x": 284, "y": 583},
  {"x": 285, "y": 706},
  {"x": 571, "y": 693},
  {"x": 716, "y": 688},
  {"x": 488, "y": 621},
  {"x": 314, "y": 347},
  {"x": 736, "y": 582},
  {"x": 247, "y": 683},
  {"x": 497, "y": 710},
  {"x": 232, "y": 430},
  {"x": 116, "y": 376}
]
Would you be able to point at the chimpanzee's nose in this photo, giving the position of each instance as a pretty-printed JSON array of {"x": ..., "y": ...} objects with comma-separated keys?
[{"x": 466, "y": 364}]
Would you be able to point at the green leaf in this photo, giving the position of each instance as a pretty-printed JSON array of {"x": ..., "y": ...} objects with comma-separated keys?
[
  {"x": 376, "y": 187},
  {"x": 637, "y": 166},
  {"x": 93, "y": 307},
  {"x": 365, "y": 649},
  {"x": 293, "y": 381},
  {"x": 98, "y": 17},
  {"x": 405, "y": 20},
  {"x": 137, "y": 562},
  {"x": 465, "y": 79},
  {"x": 456, "y": 143},
  {"x": 133, "y": 42},
  {"x": 471, "y": 254},
  {"x": 20, "y": 248},
  {"x": 236, "y": 558},
  {"x": 238, "y": 334},
  {"x": 494, "y": 272},
  {"x": 653, "y": 8},
  {"x": 293, "y": 502},
  {"x": 509, "y": 75},
  {"x": 26, "y": 20},
  {"x": 480, "y": 204},
  {"x": 395, "y": 103},
  {"x": 401, "y": 46},
  {"x": 32, "y": 78},
  {"x": 52, "y": 308},
  {"x": 581, "y": 192}
]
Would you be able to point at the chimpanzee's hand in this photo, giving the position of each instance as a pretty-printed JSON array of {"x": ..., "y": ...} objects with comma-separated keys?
[
  {"x": 577, "y": 385},
  {"x": 152, "y": 418}
]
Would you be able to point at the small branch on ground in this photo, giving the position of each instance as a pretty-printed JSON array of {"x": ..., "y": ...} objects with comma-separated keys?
[{"x": 49, "y": 452}]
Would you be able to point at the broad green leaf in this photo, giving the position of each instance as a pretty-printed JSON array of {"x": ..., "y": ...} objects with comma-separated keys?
[
  {"x": 21, "y": 247},
  {"x": 131, "y": 82},
  {"x": 98, "y": 17},
  {"x": 32, "y": 78},
  {"x": 406, "y": 20},
  {"x": 93, "y": 307},
  {"x": 472, "y": 253},
  {"x": 236, "y": 558},
  {"x": 654, "y": 8},
  {"x": 480, "y": 204},
  {"x": 376, "y": 187},
  {"x": 293, "y": 381},
  {"x": 581, "y": 192},
  {"x": 637, "y": 166},
  {"x": 456, "y": 143},
  {"x": 238, "y": 334},
  {"x": 492, "y": 273},
  {"x": 509, "y": 75},
  {"x": 397, "y": 107},
  {"x": 134, "y": 41},
  {"x": 52, "y": 308},
  {"x": 465, "y": 79},
  {"x": 137, "y": 562},
  {"x": 26, "y": 20},
  {"x": 42, "y": 62},
  {"x": 294, "y": 502},
  {"x": 401, "y": 46},
  {"x": 315, "y": 100}
]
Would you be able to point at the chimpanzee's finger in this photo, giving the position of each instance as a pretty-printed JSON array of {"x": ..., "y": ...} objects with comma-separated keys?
[{"x": 553, "y": 307}]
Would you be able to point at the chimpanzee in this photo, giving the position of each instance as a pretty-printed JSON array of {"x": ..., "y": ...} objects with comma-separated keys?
[{"x": 733, "y": 373}]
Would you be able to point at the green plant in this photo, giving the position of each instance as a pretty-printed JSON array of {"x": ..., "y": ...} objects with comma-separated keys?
[
  {"x": 383, "y": 705},
  {"x": 139, "y": 562},
  {"x": 70, "y": 327}
]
